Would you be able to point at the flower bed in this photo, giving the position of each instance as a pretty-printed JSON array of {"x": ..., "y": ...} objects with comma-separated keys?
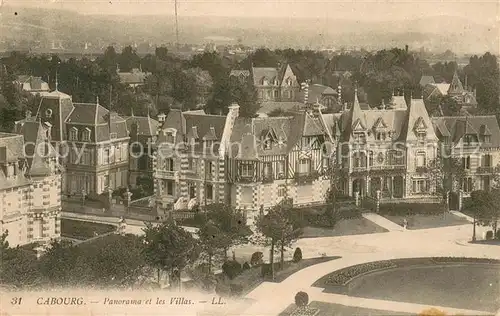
[
  {"x": 305, "y": 311},
  {"x": 343, "y": 276},
  {"x": 404, "y": 209}
]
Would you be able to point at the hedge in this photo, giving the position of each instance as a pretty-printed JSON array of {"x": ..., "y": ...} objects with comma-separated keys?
[{"x": 404, "y": 209}]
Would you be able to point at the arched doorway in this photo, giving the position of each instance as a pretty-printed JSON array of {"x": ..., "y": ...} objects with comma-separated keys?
[
  {"x": 375, "y": 184},
  {"x": 357, "y": 186}
]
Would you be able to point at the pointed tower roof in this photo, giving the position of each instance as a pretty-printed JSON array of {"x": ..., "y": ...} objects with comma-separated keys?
[
  {"x": 356, "y": 119},
  {"x": 456, "y": 86}
]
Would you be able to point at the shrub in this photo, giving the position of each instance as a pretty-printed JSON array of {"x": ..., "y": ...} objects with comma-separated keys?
[
  {"x": 404, "y": 209},
  {"x": 301, "y": 299},
  {"x": 265, "y": 270},
  {"x": 257, "y": 258},
  {"x": 297, "y": 255},
  {"x": 231, "y": 269},
  {"x": 498, "y": 234},
  {"x": 222, "y": 289},
  {"x": 246, "y": 266},
  {"x": 489, "y": 235},
  {"x": 236, "y": 289}
]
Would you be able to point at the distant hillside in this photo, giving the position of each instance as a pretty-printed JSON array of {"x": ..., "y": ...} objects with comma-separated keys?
[{"x": 437, "y": 33}]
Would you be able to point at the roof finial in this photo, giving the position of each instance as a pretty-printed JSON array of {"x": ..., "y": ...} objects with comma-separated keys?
[
  {"x": 57, "y": 82},
  {"x": 132, "y": 111},
  {"x": 383, "y": 104},
  {"x": 97, "y": 100},
  {"x": 356, "y": 101},
  {"x": 148, "y": 111}
]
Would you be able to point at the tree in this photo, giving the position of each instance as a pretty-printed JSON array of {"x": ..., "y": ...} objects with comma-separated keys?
[
  {"x": 128, "y": 59},
  {"x": 170, "y": 248},
  {"x": 279, "y": 229},
  {"x": 230, "y": 225},
  {"x": 212, "y": 241},
  {"x": 245, "y": 95},
  {"x": 485, "y": 205}
]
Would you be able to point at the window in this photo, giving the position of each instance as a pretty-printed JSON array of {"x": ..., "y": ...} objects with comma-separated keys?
[
  {"x": 420, "y": 159},
  {"x": 170, "y": 187},
  {"x": 86, "y": 135},
  {"x": 396, "y": 157},
  {"x": 487, "y": 161},
  {"x": 276, "y": 94},
  {"x": 486, "y": 138},
  {"x": 421, "y": 136},
  {"x": 325, "y": 162},
  {"x": 359, "y": 160},
  {"x": 420, "y": 186},
  {"x": 246, "y": 169},
  {"x": 192, "y": 164},
  {"x": 281, "y": 191},
  {"x": 370, "y": 156},
  {"x": 267, "y": 143},
  {"x": 209, "y": 167},
  {"x": 210, "y": 191},
  {"x": 304, "y": 166},
  {"x": 467, "y": 184},
  {"x": 112, "y": 135},
  {"x": 281, "y": 169},
  {"x": 106, "y": 156},
  {"x": 87, "y": 157},
  {"x": 485, "y": 183},
  {"x": 168, "y": 164},
  {"x": 267, "y": 170},
  {"x": 264, "y": 81},
  {"x": 380, "y": 136},
  {"x": 170, "y": 138},
  {"x": 469, "y": 139},
  {"x": 466, "y": 162},
  {"x": 73, "y": 134},
  {"x": 360, "y": 137}
]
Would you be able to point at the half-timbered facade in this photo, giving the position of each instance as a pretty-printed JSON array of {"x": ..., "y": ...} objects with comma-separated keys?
[{"x": 249, "y": 163}]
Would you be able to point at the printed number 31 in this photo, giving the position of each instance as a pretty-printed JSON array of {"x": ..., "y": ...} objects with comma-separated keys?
[{"x": 16, "y": 300}]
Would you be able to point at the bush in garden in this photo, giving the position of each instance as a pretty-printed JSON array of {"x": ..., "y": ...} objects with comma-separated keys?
[
  {"x": 301, "y": 299},
  {"x": 489, "y": 235},
  {"x": 246, "y": 266},
  {"x": 498, "y": 234},
  {"x": 297, "y": 255},
  {"x": 222, "y": 289},
  {"x": 257, "y": 258},
  {"x": 231, "y": 269},
  {"x": 236, "y": 289},
  {"x": 265, "y": 270}
]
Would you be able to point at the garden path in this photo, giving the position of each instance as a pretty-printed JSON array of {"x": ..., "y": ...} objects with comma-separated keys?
[{"x": 383, "y": 222}]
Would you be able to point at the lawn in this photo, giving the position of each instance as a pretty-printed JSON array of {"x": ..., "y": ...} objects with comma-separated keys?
[
  {"x": 83, "y": 230},
  {"x": 422, "y": 221},
  {"x": 352, "y": 226},
  {"x": 251, "y": 278},
  {"x": 465, "y": 283},
  {"x": 329, "y": 309}
]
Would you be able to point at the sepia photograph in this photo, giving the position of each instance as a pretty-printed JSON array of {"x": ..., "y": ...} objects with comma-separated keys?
[{"x": 249, "y": 157}]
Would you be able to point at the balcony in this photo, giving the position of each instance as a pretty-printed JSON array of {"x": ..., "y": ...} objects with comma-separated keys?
[
  {"x": 245, "y": 179},
  {"x": 485, "y": 170},
  {"x": 306, "y": 178},
  {"x": 167, "y": 174},
  {"x": 422, "y": 169}
]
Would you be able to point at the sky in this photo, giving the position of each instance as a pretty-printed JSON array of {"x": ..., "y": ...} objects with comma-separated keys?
[{"x": 483, "y": 12}]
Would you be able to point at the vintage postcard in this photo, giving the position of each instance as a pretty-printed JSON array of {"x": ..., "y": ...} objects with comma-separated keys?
[{"x": 249, "y": 157}]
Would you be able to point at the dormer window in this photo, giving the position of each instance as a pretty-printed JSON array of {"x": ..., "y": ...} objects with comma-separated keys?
[
  {"x": 264, "y": 81},
  {"x": 170, "y": 137},
  {"x": 289, "y": 81},
  {"x": 246, "y": 169},
  {"x": 359, "y": 137},
  {"x": 267, "y": 143},
  {"x": 73, "y": 134},
  {"x": 276, "y": 82},
  {"x": 380, "y": 135},
  {"x": 86, "y": 135},
  {"x": 486, "y": 138},
  {"x": 48, "y": 113},
  {"x": 421, "y": 136},
  {"x": 469, "y": 139}
]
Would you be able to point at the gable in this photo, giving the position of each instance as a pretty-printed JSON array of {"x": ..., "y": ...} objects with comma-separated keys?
[
  {"x": 358, "y": 126},
  {"x": 380, "y": 124}
]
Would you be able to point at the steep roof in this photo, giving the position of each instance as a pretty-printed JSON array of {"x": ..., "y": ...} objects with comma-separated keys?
[
  {"x": 264, "y": 72},
  {"x": 456, "y": 86},
  {"x": 457, "y": 126},
  {"x": 442, "y": 88},
  {"x": 146, "y": 125},
  {"x": 269, "y": 106},
  {"x": 317, "y": 91},
  {"x": 425, "y": 80}
]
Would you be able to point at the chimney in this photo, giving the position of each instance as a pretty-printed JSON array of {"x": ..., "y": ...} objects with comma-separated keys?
[
  {"x": 28, "y": 114},
  {"x": 339, "y": 91},
  {"x": 344, "y": 107},
  {"x": 161, "y": 117},
  {"x": 305, "y": 88},
  {"x": 234, "y": 110}
]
